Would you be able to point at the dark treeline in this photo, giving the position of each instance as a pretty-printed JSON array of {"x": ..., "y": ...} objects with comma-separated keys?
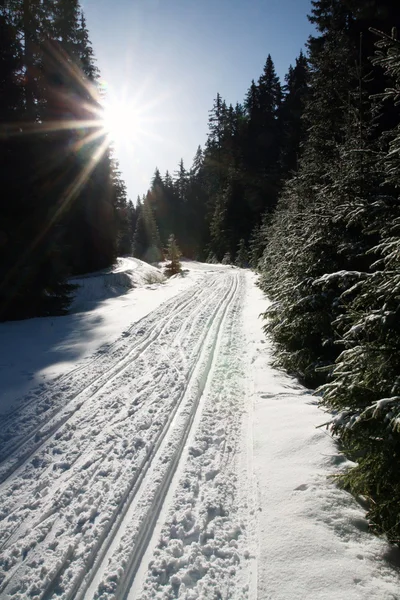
[
  {"x": 63, "y": 205},
  {"x": 302, "y": 181},
  {"x": 217, "y": 206},
  {"x": 331, "y": 264}
]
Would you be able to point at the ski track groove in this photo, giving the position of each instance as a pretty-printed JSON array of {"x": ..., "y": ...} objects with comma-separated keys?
[
  {"x": 9, "y": 417},
  {"x": 108, "y": 375},
  {"x": 218, "y": 389},
  {"x": 147, "y": 526},
  {"x": 32, "y": 396},
  {"x": 187, "y": 329},
  {"x": 99, "y": 556},
  {"x": 70, "y": 415}
]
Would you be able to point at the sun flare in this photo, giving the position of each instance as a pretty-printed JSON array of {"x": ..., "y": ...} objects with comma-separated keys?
[{"x": 122, "y": 122}]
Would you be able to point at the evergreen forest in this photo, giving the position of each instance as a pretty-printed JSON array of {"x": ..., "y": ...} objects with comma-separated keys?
[
  {"x": 299, "y": 181},
  {"x": 64, "y": 208}
]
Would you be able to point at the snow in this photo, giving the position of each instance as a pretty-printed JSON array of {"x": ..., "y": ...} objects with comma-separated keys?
[
  {"x": 128, "y": 273},
  {"x": 313, "y": 537},
  {"x": 339, "y": 275},
  {"x": 36, "y": 351},
  {"x": 149, "y": 450}
]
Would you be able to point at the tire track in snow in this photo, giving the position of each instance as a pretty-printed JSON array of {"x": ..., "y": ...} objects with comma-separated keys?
[{"x": 53, "y": 514}]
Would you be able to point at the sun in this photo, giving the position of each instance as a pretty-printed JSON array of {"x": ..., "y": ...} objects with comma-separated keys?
[
  {"x": 122, "y": 122},
  {"x": 133, "y": 119}
]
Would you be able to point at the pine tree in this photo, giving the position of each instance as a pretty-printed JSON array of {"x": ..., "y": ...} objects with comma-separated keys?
[
  {"x": 217, "y": 116},
  {"x": 146, "y": 240},
  {"x": 197, "y": 222},
  {"x": 181, "y": 182},
  {"x": 32, "y": 277},
  {"x": 364, "y": 390},
  {"x": 92, "y": 217},
  {"x": 219, "y": 241},
  {"x": 302, "y": 315},
  {"x": 197, "y": 164},
  {"x": 163, "y": 200},
  {"x": 291, "y": 115},
  {"x": 259, "y": 240},
  {"x": 215, "y": 160},
  {"x": 123, "y": 209},
  {"x": 242, "y": 259},
  {"x": 261, "y": 141},
  {"x": 64, "y": 185},
  {"x": 173, "y": 255}
]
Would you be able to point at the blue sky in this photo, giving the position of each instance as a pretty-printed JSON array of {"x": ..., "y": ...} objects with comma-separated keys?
[{"x": 163, "y": 62}]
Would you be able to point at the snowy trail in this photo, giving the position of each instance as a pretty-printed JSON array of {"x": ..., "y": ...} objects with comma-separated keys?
[
  {"x": 200, "y": 546},
  {"x": 64, "y": 397},
  {"x": 176, "y": 462},
  {"x": 85, "y": 480},
  {"x": 152, "y": 493}
]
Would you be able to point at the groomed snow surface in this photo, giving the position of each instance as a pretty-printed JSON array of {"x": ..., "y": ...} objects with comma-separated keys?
[{"x": 149, "y": 450}]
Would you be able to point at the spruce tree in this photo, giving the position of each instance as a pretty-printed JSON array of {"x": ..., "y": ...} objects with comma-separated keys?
[
  {"x": 302, "y": 316},
  {"x": 173, "y": 255},
  {"x": 291, "y": 112},
  {"x": 242, "y": 259},
  {"x": 364, "y": 390},
  {"x": 32, "y": 278},
  {"x": 146, "y": 240},
  {"x": 64, "y": 185},
  {"x": 123, "y": 209}
]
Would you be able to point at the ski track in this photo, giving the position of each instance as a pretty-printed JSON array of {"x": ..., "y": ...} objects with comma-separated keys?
[
  {"x": 201, "y": 544},
  {"x": 46, "y": 416},
  {"x": 100, "y": 449}
]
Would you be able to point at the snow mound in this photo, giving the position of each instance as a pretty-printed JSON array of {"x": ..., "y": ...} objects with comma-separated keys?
[{"x": 127, "y": 273}]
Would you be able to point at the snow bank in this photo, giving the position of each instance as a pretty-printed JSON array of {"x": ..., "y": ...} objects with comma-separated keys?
[
  {"x": 314, "y": 540},
  {"x": 34, "y": 352},
  {"x": 128, "y": 273}
]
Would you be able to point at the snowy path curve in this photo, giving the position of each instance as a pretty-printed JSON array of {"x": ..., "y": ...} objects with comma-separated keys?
[{"x": 86, "y": 478}]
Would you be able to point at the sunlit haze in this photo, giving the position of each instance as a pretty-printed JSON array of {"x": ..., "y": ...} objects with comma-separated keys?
[{"x": 163, "y": 62}]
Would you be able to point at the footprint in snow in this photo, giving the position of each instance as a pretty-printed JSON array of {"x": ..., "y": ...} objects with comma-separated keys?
[{"x": 301, "y": 488}]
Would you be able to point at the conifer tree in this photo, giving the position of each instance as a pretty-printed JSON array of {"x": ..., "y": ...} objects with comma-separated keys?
[
  {"x": 64, "y": 185},
  {"x": 364, "y": 390},
  {"x": 164, "y": 205},
  {"x": 32, "y": 278},
  {"x": 242, "y": 259},
  {"x": 123, "y": 209},
  {"x": 173, "y": 255},
  {"x": 197, "y": 222},
  {"x": 181, "y": 182},
  {"x": 302, "y": 316},
  {"x": 259, "y": 240},
  {"x": 197, "y": 163},
  {"x": 146, "y": 239},
  {"x": 291, "y": 112}
]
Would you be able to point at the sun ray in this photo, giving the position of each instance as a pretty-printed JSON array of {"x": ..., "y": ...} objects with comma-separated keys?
[{"x": 84, "y": 101}]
